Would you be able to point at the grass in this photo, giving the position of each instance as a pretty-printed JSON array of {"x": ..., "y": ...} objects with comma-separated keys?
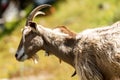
[{"x": 76, "y": 15}]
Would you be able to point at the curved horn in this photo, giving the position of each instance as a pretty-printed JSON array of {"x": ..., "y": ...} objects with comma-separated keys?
[{"x": 35, "y": 12}]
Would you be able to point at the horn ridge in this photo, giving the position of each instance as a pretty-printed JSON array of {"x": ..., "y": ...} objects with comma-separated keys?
[{"x": 34, "y": 11}]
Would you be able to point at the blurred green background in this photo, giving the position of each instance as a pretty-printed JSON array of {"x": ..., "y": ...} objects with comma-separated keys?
[{"x": 77, "y": 15}]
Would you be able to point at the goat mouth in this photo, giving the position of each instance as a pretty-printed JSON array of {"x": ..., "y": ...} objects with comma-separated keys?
[{"x": 34, "y": 57}]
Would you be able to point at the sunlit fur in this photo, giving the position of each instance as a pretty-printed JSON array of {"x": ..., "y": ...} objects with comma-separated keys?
[
  {"x": 94, "y": 53},
  {"x": 97, "y": 53}
]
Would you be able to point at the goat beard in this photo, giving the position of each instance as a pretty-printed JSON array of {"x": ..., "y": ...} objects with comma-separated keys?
[{"x": 35, "y": 58}]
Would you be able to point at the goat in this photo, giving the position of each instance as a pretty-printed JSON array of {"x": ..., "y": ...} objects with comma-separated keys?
[{"x": 94, "y": 53}]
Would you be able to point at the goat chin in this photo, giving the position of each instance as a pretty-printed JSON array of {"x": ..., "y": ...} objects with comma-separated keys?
[{"x": 35, "y": 58}]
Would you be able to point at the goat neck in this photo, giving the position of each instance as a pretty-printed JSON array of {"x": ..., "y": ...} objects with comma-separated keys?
[{"x": 59, "y": 44}]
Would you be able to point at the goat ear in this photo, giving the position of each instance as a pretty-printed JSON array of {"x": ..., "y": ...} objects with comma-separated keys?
[{"x": 32, "y": 25}]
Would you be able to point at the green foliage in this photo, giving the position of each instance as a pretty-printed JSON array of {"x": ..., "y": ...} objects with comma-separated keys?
[{"x": 76, "y": 15}]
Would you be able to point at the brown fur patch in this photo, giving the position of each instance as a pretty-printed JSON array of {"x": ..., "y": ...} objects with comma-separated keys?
[{"x": 64, "y": 29}]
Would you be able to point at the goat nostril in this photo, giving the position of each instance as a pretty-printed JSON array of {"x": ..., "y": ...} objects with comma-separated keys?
[{"x": 16, "y": 55}]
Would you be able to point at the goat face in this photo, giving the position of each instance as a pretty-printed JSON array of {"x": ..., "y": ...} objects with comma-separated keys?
[{"x": 30, "y": 43}]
